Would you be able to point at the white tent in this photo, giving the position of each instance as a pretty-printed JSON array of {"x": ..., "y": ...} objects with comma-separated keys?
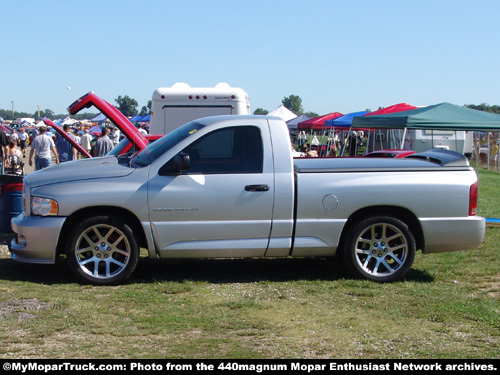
[
  {"x": 68, "y": 121},
  {"x": 283, "y": 112}
]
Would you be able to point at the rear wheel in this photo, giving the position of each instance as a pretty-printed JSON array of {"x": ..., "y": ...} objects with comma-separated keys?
[
  {"x": 379, "y": 248},
  {"x": 102, "y": 250}
]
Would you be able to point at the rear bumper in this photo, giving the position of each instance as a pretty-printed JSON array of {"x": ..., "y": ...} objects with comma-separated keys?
[
  {"x": 449, "y": 234},
  {"x": 36, "y": 238}
]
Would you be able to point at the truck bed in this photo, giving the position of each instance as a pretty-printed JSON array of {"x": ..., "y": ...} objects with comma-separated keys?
[{"x": 433, "y": 160}]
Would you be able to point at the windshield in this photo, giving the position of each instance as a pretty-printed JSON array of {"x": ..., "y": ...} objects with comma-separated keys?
[{"x": 162, "y": 145}]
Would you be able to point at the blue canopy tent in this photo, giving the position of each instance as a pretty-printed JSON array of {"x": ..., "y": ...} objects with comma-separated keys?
[
  {"x": 95, "y": 130},
  {"x": 99, "y": 118},
  {"x": 136, "y": 118},
  {"x": 145, "y": 119},
  {"x": 344, "y": 121}
]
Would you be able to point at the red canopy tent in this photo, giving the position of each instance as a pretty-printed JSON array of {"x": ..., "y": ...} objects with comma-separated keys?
[
  {"x": 400, "y": 107},
  {"x": 393, "y": 108},
  {"x": 317, "y": 123}
]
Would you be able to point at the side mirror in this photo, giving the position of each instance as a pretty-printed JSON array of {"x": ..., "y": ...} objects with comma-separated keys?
[{"x": 179, "y": 163}]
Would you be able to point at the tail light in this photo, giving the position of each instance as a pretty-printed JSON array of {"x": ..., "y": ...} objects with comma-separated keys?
[
  {"x": 11, "y": 187},
  {"x": 473, "y": 197}
]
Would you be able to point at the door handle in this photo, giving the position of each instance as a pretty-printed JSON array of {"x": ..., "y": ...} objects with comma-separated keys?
[{"x": 257, "y": 188}]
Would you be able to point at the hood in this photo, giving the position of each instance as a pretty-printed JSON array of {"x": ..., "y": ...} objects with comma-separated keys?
[
  {"x": 113, "y": 114},
  {"x": 84, "y": 169}
]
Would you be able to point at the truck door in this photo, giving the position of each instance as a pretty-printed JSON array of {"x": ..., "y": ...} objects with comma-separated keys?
[{"x": 222, "y": 206}]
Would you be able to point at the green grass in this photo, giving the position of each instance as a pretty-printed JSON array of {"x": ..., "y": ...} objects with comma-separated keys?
[
  {"x": 489, "y": 193},
  {"x": 448, "y": 306}
]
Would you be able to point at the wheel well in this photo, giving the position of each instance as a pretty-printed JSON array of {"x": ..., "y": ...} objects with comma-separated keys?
[
  {"x": 77, "y": 216},
  {"x": 400, "y": 213}
]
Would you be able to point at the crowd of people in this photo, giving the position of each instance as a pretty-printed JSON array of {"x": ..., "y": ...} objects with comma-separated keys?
[
  {"x": 43, "y": 147},
  {"x": 350, "y": 144}
]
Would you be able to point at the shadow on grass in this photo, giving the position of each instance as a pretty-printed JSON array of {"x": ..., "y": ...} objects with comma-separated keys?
[{"x": 208, "y": 270}]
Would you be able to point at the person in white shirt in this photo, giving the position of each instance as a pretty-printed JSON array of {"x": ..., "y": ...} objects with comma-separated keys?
[
  {"x": 23, "y": 141},
  {"x": 142, "y": 130},
  {"x": 85, "y": 140},
  {"x": 41, "y": 147},
  {"x": 115, "y": 136},
  {"x": 14, "y": 137}
]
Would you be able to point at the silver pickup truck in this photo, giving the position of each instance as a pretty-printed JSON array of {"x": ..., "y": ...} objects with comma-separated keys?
[{"x": 228, "y": 187}]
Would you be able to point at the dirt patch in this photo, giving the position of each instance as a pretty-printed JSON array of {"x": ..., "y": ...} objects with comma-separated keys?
[
  {"x": 491, "y": 285},
  {"x": 21, "y": 309}
]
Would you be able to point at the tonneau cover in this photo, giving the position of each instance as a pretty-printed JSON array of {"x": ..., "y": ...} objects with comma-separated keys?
[{"x": 433, "y": 160}]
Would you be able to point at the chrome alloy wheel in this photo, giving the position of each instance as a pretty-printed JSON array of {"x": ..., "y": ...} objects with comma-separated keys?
[
  {"x": 102, "y": 251},
  {"x": 381, "y": 249}
]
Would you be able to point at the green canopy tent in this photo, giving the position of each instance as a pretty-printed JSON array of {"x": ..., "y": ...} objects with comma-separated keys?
[{"x": 443, "y": 116}]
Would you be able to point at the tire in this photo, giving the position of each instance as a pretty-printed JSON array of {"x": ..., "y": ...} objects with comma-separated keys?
[
  {"x": 102, "y": 250},
  {"x": 379, "y": 248}
]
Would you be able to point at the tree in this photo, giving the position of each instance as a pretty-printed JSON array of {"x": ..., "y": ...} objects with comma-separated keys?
[
  {"x": 46, "y": 113},
  {"x": 146, "y": 110},
  {"x": 311, "y": 114},
  {"x": 294, "y": 104},
  {"x": 261, "y": 111},
  {"x": 127, "y": 106},
  {"x": 484, "y": 107}
]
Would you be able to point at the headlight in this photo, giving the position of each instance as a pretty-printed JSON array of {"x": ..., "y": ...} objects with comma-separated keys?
[{"x": 44, "y": 206}]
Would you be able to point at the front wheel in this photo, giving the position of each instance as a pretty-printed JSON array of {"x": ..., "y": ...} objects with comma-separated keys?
[
  {"x": 379, "y": 248},
  {"x": 102, "y": 250}
]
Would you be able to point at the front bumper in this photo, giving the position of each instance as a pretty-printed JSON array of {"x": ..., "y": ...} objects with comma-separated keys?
[{"x": 36, "y": 238}]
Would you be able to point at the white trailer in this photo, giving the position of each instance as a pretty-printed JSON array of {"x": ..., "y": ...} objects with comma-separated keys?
[
  {"x": 454, "y": 140},
  {"x": 181, "y": 103}
]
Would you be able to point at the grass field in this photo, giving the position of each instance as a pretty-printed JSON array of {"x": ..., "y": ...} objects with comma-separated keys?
[{"x": 448, "y": 306}]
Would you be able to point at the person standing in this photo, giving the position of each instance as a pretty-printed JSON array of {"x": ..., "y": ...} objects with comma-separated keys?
[
  {"x": 23, "y": 141},
  {"x": 14, "y": 137},
  {"x": 4, "y": 152},
  {"x": 85, "y": 140},
  {"x": 115, "y": 136},
  {"x": 140, "y": 129},
  {"x": 104, "y": 144},
  {"x": 65, "y": 149},
  {"x": 41, "y": 147}
]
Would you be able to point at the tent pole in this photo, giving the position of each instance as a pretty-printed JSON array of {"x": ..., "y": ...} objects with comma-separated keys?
[
  {"x": 476, "y": 149},
  {"x": 498, "y": 152},
  {"x": 368, "y": 138},
  {"x": 403, "y": 139},
  {"x": 488, "y": 154}
]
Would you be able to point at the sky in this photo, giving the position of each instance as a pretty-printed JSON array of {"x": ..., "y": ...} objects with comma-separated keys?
[{"x": 336, "y": 55}]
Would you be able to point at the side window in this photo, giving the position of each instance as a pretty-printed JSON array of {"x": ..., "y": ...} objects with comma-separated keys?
[{"x": 228, "y": 150}]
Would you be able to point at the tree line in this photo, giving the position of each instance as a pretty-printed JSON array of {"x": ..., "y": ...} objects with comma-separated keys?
[
  {"x": 126, "y": 105},
  {"x": 129, "y": 107}
]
